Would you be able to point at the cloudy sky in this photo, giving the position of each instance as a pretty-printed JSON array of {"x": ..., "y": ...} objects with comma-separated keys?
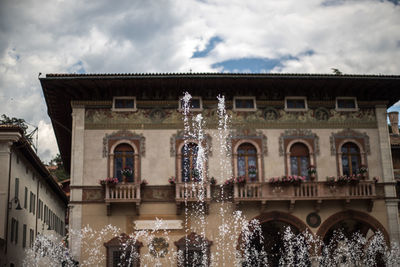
[{"x": 100, "y": 36}]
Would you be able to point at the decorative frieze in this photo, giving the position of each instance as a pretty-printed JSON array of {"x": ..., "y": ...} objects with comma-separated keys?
[{"x": 270, "y": 117}]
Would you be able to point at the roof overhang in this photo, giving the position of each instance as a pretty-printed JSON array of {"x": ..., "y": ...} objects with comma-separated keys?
[{"x": 60, "y": 89}]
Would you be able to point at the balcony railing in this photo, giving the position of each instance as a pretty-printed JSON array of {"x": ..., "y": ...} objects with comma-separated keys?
[
  {"x": 304, "y": 191},
  {"x": 193, "y": 192},
  {"x": 129, "y": 192}
]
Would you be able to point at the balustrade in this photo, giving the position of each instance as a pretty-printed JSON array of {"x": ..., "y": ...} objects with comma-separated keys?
[
  {"x": 123, "y": 193},
  {"x": 304, "y": 191}
]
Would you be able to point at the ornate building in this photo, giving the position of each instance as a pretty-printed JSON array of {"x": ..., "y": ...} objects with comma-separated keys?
[{"x": 330, "y": 130}]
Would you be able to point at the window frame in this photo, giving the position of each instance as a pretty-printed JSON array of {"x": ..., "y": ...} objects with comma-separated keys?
[
  {"x": 253, "y": 98},
  {"x": 124, "y": 156},
  {"x": 298, "y": 158},
  {"x": 235, "y": 158},
  {"x": 192, "y": 162},
  {"x": 360, "y": 156},
  {"x": 295, "y": 98},
  {"x": 136, "y": 157},
  {"x": 246, "y": 156},
  {"x": 193, "y": 242},
  {"x": 180, "y": 108},
  {"x": 124, "y": 109},
  {"x": 346, "y": 98}
]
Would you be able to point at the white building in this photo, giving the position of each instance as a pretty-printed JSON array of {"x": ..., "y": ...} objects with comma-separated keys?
[{"x": 31, "y": 202}]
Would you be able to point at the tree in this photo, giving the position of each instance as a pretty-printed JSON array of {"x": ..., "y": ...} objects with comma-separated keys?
[
  {"x": 5, "y": 120},
  {"x": 336, "y": 71},
  {"x": 58, "y": 172}
]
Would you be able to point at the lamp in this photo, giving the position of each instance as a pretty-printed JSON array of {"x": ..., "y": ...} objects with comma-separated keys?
[{"x": 16, "y": 201}]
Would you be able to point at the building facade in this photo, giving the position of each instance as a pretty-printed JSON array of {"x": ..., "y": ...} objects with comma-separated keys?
[
  {"x": 31, "y": 202},
  {"x": 330, "y": 130}
]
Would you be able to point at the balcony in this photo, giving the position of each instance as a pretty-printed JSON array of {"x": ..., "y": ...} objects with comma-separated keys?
[
  {"x": 192, "y": 192},
  {"x": 122, "y": 193},
  {"x": 317, "y": 191}
]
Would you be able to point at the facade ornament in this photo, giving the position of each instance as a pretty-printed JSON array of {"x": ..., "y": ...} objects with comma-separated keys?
[
  {"x": 250, "y": 133},
  {"x": 271, "y": 114},
  {"x": 123, "y": 135},
  {"x": 180, "y": 135},
  {"x": 321, "y": 114},
  {"x": 303, "y": 134},
  {"x": 350, "y": 134}
]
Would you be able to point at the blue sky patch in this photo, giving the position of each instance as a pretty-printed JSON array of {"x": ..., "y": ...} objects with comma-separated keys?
[
  {"x": 77, "y": 68},
  {"x": 209, "y": 47},
  {"x": 251, "y": 64}
]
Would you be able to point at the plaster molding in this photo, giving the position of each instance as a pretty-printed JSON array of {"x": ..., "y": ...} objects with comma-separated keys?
[{"x": 124, "y": 135}]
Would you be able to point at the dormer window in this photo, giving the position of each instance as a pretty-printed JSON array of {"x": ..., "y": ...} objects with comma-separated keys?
[
  {"x": 346, "y": 104},
  {"x": 195, "y": 103},
  {"x": 296, "y": 103},
  {"x": 244, "y": 103},
  {"x": 124, "y": 103}
]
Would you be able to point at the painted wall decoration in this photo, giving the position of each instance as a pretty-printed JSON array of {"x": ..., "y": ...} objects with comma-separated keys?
[{"x": 159, "y": 118}]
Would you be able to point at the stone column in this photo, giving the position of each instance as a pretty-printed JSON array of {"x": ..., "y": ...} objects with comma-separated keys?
[
  {"x": 387, "y": 171},
  {"x": 77, "y": 165}
]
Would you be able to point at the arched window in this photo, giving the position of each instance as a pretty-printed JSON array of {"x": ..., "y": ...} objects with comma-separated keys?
[
  {"x": 299, "y": 159},
  {"x": 189, "y": 161},
  {"x": 351, "y": 158},
  {"x": 247, "y": 161},
  {"x": 123, "y": 159}
]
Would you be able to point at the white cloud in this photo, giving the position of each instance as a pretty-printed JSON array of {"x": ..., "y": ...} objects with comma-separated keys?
[{"x": 161, "y": 36}]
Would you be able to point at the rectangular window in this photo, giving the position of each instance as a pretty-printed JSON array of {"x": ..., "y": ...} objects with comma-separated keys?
[
  {"x": 24, "y": 236},
  {"x": 244, "y": 103},
  {"x": 195, "y": 103},
  {"x": 346, "y": 104},
  {"x": 34, "y": 204},
  {"x": 16, "y": 193},
  {"x": 12, "y": 235},
  {"x": 296, "y": 103},
  {"x": 31, "y": 202},
  {"x": 45, "y": 213},
  {"x": 124, "y": 103},
  {"x": 38, "y": 211},
  {"x": 26, "y": 198},
  {"x": 31, "y": 237},
  {"x": 16, "y": 231}
]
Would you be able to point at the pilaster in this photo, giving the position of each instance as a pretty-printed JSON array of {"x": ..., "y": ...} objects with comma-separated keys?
[
  {"x": 387, "y": 174},
  {"x": 77, "y": 164}
]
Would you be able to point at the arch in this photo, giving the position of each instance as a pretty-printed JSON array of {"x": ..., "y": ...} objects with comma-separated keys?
[
  {"x": 284, "y": 217},
  {"x": 294, "y": 141},
  {"x": 181, "y": 144},
  {"x": 270, "y": 223},
  {"x": 124, "y": 141},
  {"x": 353, "y": 215},
  {"x": 344, "y": 141},
  {"x": 243, "y": 141}
]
